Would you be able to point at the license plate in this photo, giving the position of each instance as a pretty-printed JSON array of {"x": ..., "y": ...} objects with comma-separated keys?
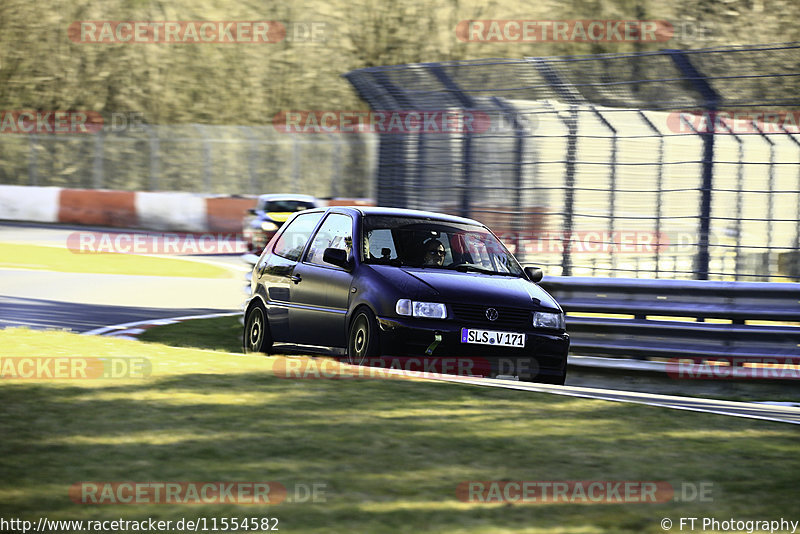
[{"x": 492, "y": 337}]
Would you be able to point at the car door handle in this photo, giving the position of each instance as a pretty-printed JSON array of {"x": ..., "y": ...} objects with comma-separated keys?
[{"x": 296, "y": 279}]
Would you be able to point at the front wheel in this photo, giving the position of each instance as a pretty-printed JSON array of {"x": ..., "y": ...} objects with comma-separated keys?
[
  {"x": 256, "y": 336},
  {"x": 362, "y": 343}
]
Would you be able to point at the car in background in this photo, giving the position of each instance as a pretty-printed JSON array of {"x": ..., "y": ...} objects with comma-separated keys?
[
  {"x": 268, "y": 216},
  {"x": 382, "y": 282}
]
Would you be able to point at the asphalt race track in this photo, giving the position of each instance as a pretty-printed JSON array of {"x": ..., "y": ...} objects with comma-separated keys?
[
  {"x": 38, "y": 313},
  {"x": 85, "y": 301}
]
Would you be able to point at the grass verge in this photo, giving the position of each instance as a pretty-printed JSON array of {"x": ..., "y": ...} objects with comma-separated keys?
[
  {"x": 225, "y": 333},
  {"x": 35, "y": 257},
  {"x": 389, "y": 453},
  {"x": 220, "y": 333}
]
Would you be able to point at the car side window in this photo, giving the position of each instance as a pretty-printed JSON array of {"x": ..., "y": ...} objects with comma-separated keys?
[
  {"x": 379, "y": 245},
  {"x": 335, "y": 232},
  {"x": 293, "y": 240}
]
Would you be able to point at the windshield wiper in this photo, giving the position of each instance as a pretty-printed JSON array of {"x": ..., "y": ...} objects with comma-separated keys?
[{"x": 472, "y": 268}]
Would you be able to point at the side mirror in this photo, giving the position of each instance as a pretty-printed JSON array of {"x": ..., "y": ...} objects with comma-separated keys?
[
  {"x": 534, "y": 274},
  {"x": 251, "y": 211},
  {"x": 338, "y": 257}
]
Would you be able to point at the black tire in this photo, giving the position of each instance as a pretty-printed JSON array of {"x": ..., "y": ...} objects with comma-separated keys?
[
  {"x": 362, "y": 340},
  {"x": 256, "y": 336}
]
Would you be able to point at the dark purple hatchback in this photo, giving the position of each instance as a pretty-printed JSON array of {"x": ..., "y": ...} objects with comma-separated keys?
[{"x": 382, "y": 283}]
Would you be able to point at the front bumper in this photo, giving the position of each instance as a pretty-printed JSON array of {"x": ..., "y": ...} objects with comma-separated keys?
[{"x": 545, "y": 353}]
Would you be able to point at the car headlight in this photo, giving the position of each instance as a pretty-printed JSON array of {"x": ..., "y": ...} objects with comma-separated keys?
[
  {"x": 430, "y": 310},
  {"x": 269, "y": 226},
  {"x": 548, "y": 320}
]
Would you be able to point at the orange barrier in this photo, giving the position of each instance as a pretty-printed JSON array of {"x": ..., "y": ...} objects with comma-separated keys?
[
  {"x": 225, "y": 214},
  {"x": 163, "y": 211},
  {"x": 102, "y": 208}
]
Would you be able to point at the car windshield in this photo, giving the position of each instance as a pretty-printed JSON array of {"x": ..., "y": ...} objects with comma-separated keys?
[
  {"x": 428, "y": 243},
  {"x": 283, "y": 206}
]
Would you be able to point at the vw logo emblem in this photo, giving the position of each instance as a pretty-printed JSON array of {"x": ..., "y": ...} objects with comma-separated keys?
[{"x": 492, "y": 314}]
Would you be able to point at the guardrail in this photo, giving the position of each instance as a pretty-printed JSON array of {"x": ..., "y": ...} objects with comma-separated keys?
[
  {"x": 687, "y": 319},
  {"x": 667, "y": 319}
]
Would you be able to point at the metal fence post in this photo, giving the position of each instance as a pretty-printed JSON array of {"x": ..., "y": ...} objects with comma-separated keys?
[
  {"x": 389, "y": 188},
  {"x": 419, "y": 175},
  {"x": 739, "y": 185},
  {"x": 392, "y": 170},
  {"x": 569, "y": 193},
  {"x": 466, "y": 175},
  {"x": 466, "y": 103},
  {"x": 612, "y": 179},
  {"x": 738, "y": 216},
  {"x": 795, "y": 273},
  {"x": 696, "y": 132},
  {"x": 659, "y": 185},
  {"x": 703, "y": 255},
  {"x": 519, "y": 142},
  {"x": 571, "y": 122},
  {"x": 566, "y": 90},
  {"x": 711, "y": 100},
  {"x": 767, "y": 257}
]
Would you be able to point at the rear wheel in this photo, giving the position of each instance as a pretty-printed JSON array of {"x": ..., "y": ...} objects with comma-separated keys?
[
  {"x": 362, "y": 342},
  {"x": 256, "y": 336}
]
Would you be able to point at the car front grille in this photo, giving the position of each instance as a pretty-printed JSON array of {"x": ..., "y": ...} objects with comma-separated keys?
[{"x": 507, "y": 317}]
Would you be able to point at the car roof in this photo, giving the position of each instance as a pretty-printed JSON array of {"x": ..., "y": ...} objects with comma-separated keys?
[
  {"x": 401, "y": 212},
  {"x": 287, "y": 196}
]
